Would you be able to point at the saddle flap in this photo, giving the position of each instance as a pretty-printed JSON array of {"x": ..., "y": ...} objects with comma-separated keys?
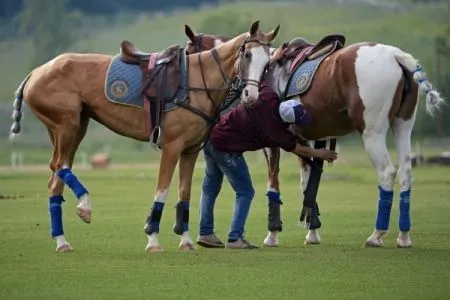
[{"x": 164, "y": 78}]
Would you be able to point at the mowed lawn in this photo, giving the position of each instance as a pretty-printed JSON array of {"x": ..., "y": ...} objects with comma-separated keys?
[{"x": 109, "y": 261}]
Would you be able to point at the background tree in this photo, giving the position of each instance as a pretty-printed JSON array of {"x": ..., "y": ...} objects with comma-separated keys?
[{"x": 49, "y": 24}]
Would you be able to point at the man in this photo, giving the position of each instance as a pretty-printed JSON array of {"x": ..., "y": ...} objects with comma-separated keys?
[{"x": 265, "y": 124}]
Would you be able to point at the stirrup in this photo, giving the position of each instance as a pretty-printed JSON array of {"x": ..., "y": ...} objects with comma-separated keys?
[{"x": 155, "y": 137}]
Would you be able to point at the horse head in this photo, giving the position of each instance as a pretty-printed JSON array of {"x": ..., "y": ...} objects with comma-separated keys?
[{"x": 252, "y": 60}]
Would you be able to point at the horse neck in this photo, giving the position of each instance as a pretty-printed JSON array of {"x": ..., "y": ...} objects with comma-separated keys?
[
  {"x": 227, "y": 53},
  {"x": 278, "y": 78}
]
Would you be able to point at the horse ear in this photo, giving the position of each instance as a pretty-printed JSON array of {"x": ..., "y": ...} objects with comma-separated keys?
[
  {"x": 254, "y": 27},
  {"x": 189, "y": 33},
  {"x": 273, "y": 34}
]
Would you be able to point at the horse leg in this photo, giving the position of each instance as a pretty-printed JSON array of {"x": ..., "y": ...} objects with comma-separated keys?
[
  {"x": 181, "y": 227},
  {"x": 56, "y": 188},
  {"x": 169, "y": 158},
  {"x": 274, "y": 223},
  {"x": 312, "y": 237},
  {"x": 402, "y": 131},
  {"x": 375, "y": 144},
  {"x": 60, "y": 164},
  {"x": 84, "y": 208}
]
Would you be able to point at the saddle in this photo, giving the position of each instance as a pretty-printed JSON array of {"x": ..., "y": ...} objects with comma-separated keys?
[
  {"x": 161, "y": 78},
  {"x": 301, "y": 50}
]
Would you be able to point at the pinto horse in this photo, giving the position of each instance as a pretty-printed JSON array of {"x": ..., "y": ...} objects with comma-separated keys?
[
  {"x": 366, "y": 87},
  {"x": 66, "y": 92}
]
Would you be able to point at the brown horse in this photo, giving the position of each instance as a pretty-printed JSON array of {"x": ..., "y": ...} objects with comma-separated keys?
[
  {"x": 366, "y": 87},
  {"x": 66, "y": 92}
]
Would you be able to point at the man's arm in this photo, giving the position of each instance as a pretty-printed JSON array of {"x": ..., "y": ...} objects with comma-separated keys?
[{"x": 323, "y": 154}]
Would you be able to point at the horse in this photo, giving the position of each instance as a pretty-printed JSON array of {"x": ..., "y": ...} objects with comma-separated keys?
[
  {"x": 365, "y": 87},
  {"x": 69, "y": 90}
]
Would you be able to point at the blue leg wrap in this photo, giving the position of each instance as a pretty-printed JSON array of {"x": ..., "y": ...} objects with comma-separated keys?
[
  {"x": 154, "y": 218},
  {"x": 384, "y": 209},
  {"x": 72, "y": 182},
  {"x": 54, "y": 206},
  {"x": 404, "y": 222},
  {"x": 186, "y": 216},
  {"x": 274, "y": 197}
]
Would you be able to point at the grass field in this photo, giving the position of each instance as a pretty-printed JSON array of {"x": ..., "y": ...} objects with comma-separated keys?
[{"x": 109, "y": 261}]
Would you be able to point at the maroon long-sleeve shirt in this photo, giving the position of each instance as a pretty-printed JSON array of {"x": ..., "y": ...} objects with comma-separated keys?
[{"x": 253, "y": 128}]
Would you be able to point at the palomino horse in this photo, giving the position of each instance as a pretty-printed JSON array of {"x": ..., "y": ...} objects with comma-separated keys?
[
  {"x": 67, "y": 91},
  {"x": 365, "y": 87}
]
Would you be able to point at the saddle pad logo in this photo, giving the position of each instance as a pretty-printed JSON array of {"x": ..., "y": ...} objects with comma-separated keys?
[
  {"x": 302, "y": 81},
  {"x": 119, "y": 88}
]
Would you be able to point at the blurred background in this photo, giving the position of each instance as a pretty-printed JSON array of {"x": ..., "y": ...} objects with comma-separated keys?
[{"x": 34, "y": 31}]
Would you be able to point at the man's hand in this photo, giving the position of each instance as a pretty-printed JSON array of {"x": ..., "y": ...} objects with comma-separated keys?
[
  {"x": 327, "y": 155},
  {"x": 278, "y": 54}
]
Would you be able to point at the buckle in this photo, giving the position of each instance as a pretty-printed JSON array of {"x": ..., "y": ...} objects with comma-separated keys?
[{"x": 236, "y": 83}]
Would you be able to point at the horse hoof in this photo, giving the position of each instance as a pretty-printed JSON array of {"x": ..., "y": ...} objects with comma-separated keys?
[
  {"x": 187, "y": 247},
  {"x": 372, "y": 244},
  {"x": 404, "y": 246},
  {"x": 153, "y": 249},
  {"x": 64, "y": 248},
  {"x": 270, "y": 243},
  {"x": 311, "y": 242},
  {"x": 84, "y": 214}
]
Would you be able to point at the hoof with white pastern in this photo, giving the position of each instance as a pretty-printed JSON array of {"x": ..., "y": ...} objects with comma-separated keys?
[
  {"x": 84, "y": 214},
  {"x": 64, "y": 248},
  {"x": 153, "y": 249},
  {"x": 187, "y": 247}
]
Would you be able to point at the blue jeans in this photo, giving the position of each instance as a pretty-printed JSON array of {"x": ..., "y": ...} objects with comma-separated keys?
[{"x": 233, "y": 165}]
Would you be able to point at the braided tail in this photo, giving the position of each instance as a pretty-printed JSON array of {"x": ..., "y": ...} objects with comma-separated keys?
[
  {"x": 432, "y": 98},
  {"x": 17, "y": 112}
]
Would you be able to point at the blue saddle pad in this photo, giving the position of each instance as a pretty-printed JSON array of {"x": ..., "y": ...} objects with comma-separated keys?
[
  {"x": 302, "y": 77},
  {"x": 123, "y": 84}
]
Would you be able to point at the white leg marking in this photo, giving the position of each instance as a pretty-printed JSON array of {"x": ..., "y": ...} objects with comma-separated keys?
[
  {"x": 271, "y": 239},
  {"x": 161, "y": 196},
  {"x": 313, "y": 237},
  {"x": 153, "y": 244},
  {"x": 402, "y": 131},
  {"x": 186, "y": 242},
  {"x": 377, "y": 74},
  {"x": 84, "y": 209},
  {"x": 62, "y": 245}
]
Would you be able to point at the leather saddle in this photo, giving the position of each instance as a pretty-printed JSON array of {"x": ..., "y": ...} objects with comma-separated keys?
[
  {"x": 160, "y": 81},
  {"x": 327, "y": 44}
]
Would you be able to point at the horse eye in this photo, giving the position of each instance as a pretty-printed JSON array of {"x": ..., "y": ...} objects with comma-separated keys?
[{"x": 248, "y": 55}]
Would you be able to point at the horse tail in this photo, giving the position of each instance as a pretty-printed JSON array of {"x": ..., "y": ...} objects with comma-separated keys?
[
  {"x": 17, "y": 112},
  {"x": 432, "y": 97}
]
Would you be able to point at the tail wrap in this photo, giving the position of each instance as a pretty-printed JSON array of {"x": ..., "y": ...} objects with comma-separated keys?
[
  {"x": 17, "y": 112},
  {"x": 433, "y": 99}
]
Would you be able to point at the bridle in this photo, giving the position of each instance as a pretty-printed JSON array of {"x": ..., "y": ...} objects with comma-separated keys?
[{"x": 234, "y": 85}]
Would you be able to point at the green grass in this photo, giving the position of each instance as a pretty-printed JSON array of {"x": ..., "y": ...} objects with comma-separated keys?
[{"x": 109, "y": 261}]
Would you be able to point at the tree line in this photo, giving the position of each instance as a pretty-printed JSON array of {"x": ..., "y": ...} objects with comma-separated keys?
[{"x": 10, "y": 8}]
